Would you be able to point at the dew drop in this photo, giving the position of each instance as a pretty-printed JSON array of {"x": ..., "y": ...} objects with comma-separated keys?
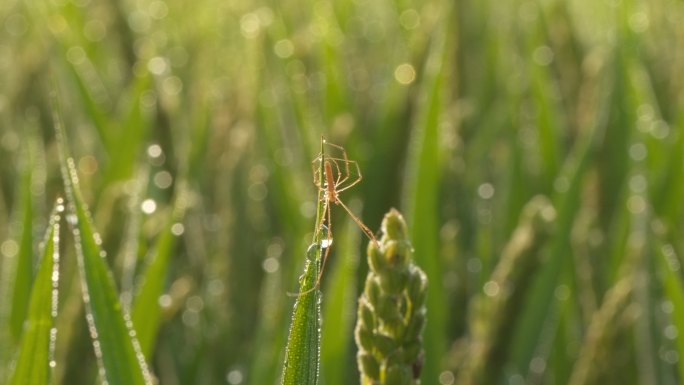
[
  {"x": 446, "y": 378},
  {"x": 485, "y": 191},
  {"x": 53, "y": 342},
  {"x": 215, "y": 287},
  {"x": 311, "y": 252},
  {"x": 405, "y": 74},
  {"x": 149, "y": 206},
  {"x": 324, "y": 236},
  {"x": 9, "y": 248},
  {"x": 72, "y": 219},
  {"x": 474, "y": 265},
  {"x": 157, "y": 66},
  {"x": 542, "y": 55},
  {"x": 190, "y": 318},
  {"x": 670, "y": 332},
  {"x": 562, "y": 292},
  {"x": 538, "y": 365},
  {"x": 671, "y": 357},
  {"x": 177, "y": 229},
  {"x": 491, "y": 289},
  {"x": 234, "y": 377},
  {"x": 195, "y": 303},
  {"x": 165, "y": 301},
  {"x": 59, "y": 207},
  {"x": 270, "y": 265},
  {"x": 638, "y": 151},
  {"x": 154, "y": 151},
  {"x": 327, "y": 242},
  {"x": 163, "y": 179}
]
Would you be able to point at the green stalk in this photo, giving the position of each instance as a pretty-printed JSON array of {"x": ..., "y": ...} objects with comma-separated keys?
[{"x": 495, "y": 313}]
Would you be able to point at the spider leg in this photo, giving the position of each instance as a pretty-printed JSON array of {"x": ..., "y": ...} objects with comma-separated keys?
[
  {"x": 315, "y": 168},
  {"x": 339, "y": 175},
  {"x": 356, "y": 219},
  {"x": 353, "y": 182},
  {"x": 344, "y": 159}
]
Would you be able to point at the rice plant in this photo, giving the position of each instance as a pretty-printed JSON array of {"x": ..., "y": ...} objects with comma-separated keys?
[{"x": 157, "y": 204}]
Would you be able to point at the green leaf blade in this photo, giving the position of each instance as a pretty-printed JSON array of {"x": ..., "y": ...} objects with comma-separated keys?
[
  {"x": 302, "y": 353},
  {"x": 23, "y": 273},
  {"x": 116, "y": 346},
  {"x": 33, "y": 362},
  {"x": 146, "y": 309},
  {"x": 421, "y": 201}
]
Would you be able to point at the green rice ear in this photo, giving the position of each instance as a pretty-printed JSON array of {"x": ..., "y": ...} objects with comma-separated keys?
[{"x": 391, "y": 312}]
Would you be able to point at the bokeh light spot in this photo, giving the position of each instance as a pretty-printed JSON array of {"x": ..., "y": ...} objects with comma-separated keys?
[
  {"x": 485, "y": 191},
  {"x": 148, "y": 206},
  {"x": 283, "y": 48},
  {"x": 163, "y": 179},
  {"x": 234, "y": 377},
  {"x": 405, "y": 74},
  {"x": 446, "y": 378},
  {"x": 270, "y": 265},
  {"x": 491, "y": 289},
  {"x": 409, "y": 19},
  {"x": 542, "y": 55},
  {"x": 87, "y": 165}
]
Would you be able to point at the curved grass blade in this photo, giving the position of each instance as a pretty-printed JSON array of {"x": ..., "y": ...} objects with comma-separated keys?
[
  {"x": 23, "y": 268},
  {"x": 116, "y": 346},
  {"x": 36, "y": 348},
  {"x": 146, "y": 310}
]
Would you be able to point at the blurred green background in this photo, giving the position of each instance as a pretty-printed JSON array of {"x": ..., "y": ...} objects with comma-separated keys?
[{"x": 200, "y": 119}]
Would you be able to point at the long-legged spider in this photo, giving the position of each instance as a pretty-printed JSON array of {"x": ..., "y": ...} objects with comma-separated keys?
[{"x": 339, "y": 174}]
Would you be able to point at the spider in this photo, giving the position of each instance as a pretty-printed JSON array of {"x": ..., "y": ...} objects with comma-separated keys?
[{"x": 339, "y": 174}]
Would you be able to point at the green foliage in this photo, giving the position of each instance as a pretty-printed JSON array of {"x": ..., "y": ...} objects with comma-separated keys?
[
  {"x": 146, "y": 312},
  {"x": 494, "y": 313},
  {"x": 36, "y": 352},
  {"x": 303, "y": 350},
  {"x": 302, "y": 354},
  {"x": 116, "y": 346},
  {"x": 192, "y": 129}
]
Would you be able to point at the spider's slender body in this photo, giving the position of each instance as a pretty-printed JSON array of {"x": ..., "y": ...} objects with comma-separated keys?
[
  {"x": 331, "y": 194},
  {"x": 339, "y": 174}
]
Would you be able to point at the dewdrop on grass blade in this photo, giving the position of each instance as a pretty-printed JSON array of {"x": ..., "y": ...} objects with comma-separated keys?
[{"x": 332, "y": 175}]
